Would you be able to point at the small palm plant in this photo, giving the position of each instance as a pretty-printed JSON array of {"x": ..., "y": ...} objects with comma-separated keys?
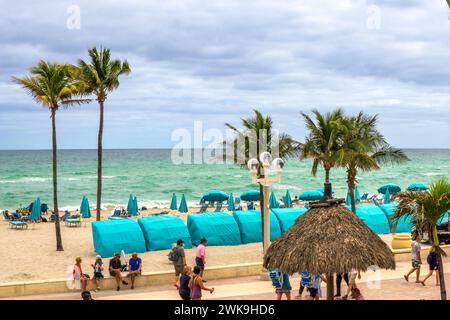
[
  {"x": 428, "y": 206},
  {"x": 100, "y": 76},
  {"x": 53, "y": 86}
]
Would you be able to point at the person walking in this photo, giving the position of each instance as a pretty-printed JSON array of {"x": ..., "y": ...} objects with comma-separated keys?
[
  {"x": 416, "y": 259},
  {"x": 196, "y": 285},
  {"x": 432, "y": 260},
  {"x": 339, "y": 278},
  {"x": 305, "y": 282},
  {"x": 184, "y": 291},
  {"x": 178, "y": 257},
  {"x": 352, "y": 281},
  {"x": 200, "y": 256}
]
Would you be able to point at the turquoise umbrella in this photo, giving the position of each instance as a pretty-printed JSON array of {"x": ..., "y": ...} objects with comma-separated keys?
[
  {"x": 183, "y": 205},
  {"x": 273, "y": 203},
  {"x": 36, "y": 212},
  {"x": 357, "y": 195},
  {"x": 387, "y": 197},
  {"x": 84, "y": 208},
  {"x": 287, "y": 199},
  {"x": 231, "y": 203},
  {"x": 311, "y": 195},
  {"x": 250, "y": 195},
  {"x": 215, "y": 195},
  {"x": 417, "y": 187},
  {"x": 130, "y": 205},
  {"x": 348, "y": 200},
  {"x": 391, "y": 187},
  {"x": 135, "y": 207},
  {"x": 173, "y": 203}
]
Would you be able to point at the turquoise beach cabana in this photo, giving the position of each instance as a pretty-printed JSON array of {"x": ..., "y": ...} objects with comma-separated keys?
[
  {"x": 286, "y": 217},
  {"x": 219, "y": 228},
  {"x": 183, "y": 205},
  {"x": 85, "y": 210},
  {"x": 373, "y": 217},
  {"x": 231, "y": 206},
  {"x": 173, "y": 202},
  {"x": 160, "y": 232},
  {"x": 111, "y": 236},
  {"x": 249, "y": 223},
  {"x": 287, "y": 199},
  {"x": 250, "y": 195},
  {"x": 273, "y": 202},
  {"x": 391, "y": 187},
  {"x": 215, "y": 195},
  {"x": 404, "y": 224},
  {"x": 417, "y": 186},
  {"x": 311, "y": 195},
  {"x": 35, "y": 213}
]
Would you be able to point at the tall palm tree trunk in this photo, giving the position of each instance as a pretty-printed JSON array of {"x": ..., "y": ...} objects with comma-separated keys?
[
  {"x": 440, "y": 264},
  {"x": 263, "y": 209},
  {"x": 59, "y": 245},
  {"x": 327, "y": 175},
  {"x": 99, "y": 166}
]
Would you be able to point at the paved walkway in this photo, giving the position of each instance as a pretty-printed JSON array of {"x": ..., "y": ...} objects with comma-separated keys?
[{"x": 382, "y": 284}]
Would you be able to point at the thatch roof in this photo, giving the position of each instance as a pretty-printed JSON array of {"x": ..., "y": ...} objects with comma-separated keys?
[{"x": 328, "y": 239}]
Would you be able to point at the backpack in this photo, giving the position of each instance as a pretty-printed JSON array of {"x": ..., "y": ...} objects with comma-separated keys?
[
  {"x": 174, "y": 254},
  {"x": 277, "y": 278},
  {"x": 431, "y": 259}
]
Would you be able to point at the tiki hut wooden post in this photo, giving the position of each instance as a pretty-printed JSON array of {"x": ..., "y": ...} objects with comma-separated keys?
[{"x": 328, "y": 239}]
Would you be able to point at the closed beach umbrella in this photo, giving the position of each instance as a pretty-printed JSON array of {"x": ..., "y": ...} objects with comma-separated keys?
[
  {"x": 287, "y": 199},
  {"x": 417, "y": 187},
  {"x": 135, "y": 207},
  {"x": 215, "y": 195},
  {"x": 231, "y": 203},
  {"x": 130, "y": 204},
  {"x": 36, "y": 211},
  {"x": 183, "y": 204},
  {"x": 348, "y": 200},
  {"x": 311, "y": 195},
  {"x": 391, "y": 187},
  {"x": 357, "y": 195},
  {"x": 173, "y": 203},
  {"x": 250, "y": 195},
  {"x": 84, "y": 208},
  {"x": 273, "y": 203},
  {"x": 387, "y": 197}
]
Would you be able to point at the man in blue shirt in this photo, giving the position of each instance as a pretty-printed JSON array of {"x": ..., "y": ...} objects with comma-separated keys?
[{"x": 134, "y": 268}]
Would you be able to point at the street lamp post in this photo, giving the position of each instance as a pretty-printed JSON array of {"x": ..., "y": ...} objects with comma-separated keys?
[{"x": 265, "y": 180}]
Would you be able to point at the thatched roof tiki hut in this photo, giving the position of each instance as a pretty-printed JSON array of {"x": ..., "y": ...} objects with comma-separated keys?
[{"x": 328, "y": 239}]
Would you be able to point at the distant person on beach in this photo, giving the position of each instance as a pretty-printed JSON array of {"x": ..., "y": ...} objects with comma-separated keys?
[
  {"x": 196, "y": 285},
  {"x": 200, "y": 256},
  {"x": 339, "y": 278},
  {"x": 78, "y": 274},
  {"x": 115, "y": 270},
  {"x": 98, "y": 271},
  {"x": 433, "y": 262},
  {"x": 178, "y": 257},
  {"x": 134, "y": 268},
  {"x": 416, "y": 260},
  {"x": 183, "y": 290},
  {"x": 281, "y": 283}
]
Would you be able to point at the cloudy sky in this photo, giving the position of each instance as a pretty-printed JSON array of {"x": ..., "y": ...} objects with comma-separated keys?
[{"x": 215, "y": 61}]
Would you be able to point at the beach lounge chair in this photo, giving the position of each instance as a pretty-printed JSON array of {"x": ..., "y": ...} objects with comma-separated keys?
[
  {"x": 14, "y": 224},
  {"x": 73, "y": 221},
  {"x": 218, "y": 207},
  {"x": 5, "y": 215},
  {"x": 203, "y": 208}
]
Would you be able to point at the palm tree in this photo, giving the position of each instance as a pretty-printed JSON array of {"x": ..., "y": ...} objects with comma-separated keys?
[
  {"x": 321, "y": 144},
  {"x": 101, "y": 76},
  {"x": 363, "y": 147},
  {"x": 53, "y": 85},
  {"x": 250, "y": 136},
  {"x": 428, "y": 206}
]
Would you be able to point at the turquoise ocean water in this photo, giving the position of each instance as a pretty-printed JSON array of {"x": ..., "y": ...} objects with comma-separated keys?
[{"x": 151, "y": 175}]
